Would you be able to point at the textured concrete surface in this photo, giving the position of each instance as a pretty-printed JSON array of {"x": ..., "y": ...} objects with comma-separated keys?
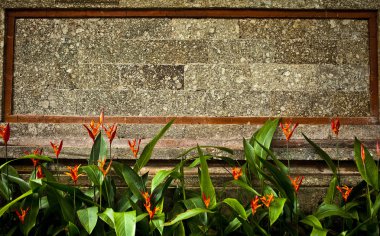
[{"x": 192, "y": 67}]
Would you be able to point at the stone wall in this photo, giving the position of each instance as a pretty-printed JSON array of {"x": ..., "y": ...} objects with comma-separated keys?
[{"x": 261, "y": 67}]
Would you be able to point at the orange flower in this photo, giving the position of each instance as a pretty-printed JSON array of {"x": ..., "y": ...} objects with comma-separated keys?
[
  {"x": 206, "y": 200},
  {"x": 148, "y": 205},
  {"x": 93, "y": 128},
  {"x": 132, "y": 145},
  {"x": 378, "y": 148},
  {"x": 35, "y": 162},
  {"x": 236, "y": 173},
  {"x": 57, "y": 149},
  {"x": 101, "y": 167},
  {"x": 255, "y": 204},
  {"x": 22, "y": 215},
  {"x": 111, "y": 132},
  {"x": 345, "y": 191},
  {"x": 74, "y": 173},
  {"x": 362, "y": 153},
  {"x": 267, "y": 199},
  {"x": 39, "y": 173},
  {"x": 5, "y": 132},
  {"x": 287, "y": 129},
  {"x": 335, "y": 124},
  {"x": 296, "y": 182}
]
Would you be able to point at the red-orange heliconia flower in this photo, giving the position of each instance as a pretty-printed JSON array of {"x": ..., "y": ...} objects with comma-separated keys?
[
  {"x": 22, "y": 215},
  {"x": 206, "y": 200},
  {"x": 378, "y": 148},
  {"x": 287, "y": 129},
  {"x": 111, "y": 132},
  {"x": 148, "y": 206},
  {"x": 5, "y": 132},
  {"x": 132, "y": 146},
  {"x": 345, "y": 191},
  {"x": 296, "y": 182},
  {"x": 267, "y": 199},
  {"x": 237, "y": 172},
  {"x": 255, "y": 204},
  {"x": 94, "y": 128},
  {"x": 362, "y": 153},
  {"x": 73, "y": 173},
  {"x": 335, "y": 125},
  {"x": 37, "y": 152},
  {"x": 101, "y": 167},
  {"x": 57, "y": 148},
  {"x": 39, "y": 173}
]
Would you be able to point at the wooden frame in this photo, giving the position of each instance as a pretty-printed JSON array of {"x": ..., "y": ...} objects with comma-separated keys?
[{"x": 12, "y": 14}]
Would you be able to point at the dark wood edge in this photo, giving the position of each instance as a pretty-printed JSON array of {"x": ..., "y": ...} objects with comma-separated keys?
[
  {"x": 182, "y": 119},
  {"x": 12, "y": 14}
]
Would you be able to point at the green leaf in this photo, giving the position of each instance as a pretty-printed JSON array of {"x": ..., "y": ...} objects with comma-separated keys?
[
  {"x": 160, "y": 177},
  {"x": 6, "y": 207},
  {"x": 131, "y": 178},
  {"x": 78, "y": 194},
  {"x": 327, "y": 210},
  {"x": 141, "y": 217},
  {"x": 88, "y": 218},
  {"x": 148, "y": 149},
  {"x": 232, "y": 226},
  {"x": 93, "y": 173},
  {"x": 158, "y": 223},
  {"x": 245, "y": 186},
  {"x": 125, "y": 223},
  {"x": 376, "y": 206},
  {"x": 206, "y": 185},
  {"x": 73, "y": 229},
  {"x": 186, "y": 215},
  {"x": 264, "y": 136},
  {"x": 312, "y": 221},
  {"x": 250, "y": 157},
  {"x": 369, "y": 171},
  {"x": 275, "y": 209},
  {"x": 42, "y": 158},
  {"x": 323, "y": 155},
  {"x": 107, "y": 216},
  {"x": 236, "y": 206},
  {"x": 98, "y": 150},
  {"x": 30, "y": 219},
  {"x": 278, "y": 163},
  {"x": 24, "y": 186},
  {"x": 330, "y": 195}
]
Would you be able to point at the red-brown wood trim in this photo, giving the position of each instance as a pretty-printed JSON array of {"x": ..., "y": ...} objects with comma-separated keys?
[
  {"x": 182, "y": 119},
  {"x": 12, "y": 14}
]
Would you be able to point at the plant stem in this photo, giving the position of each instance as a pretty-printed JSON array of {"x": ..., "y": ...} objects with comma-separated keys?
[
  {"x": 287, "y": 155},
  {"x": 75, "y": 210},
  {"x": 182, "y": 179},
  {"x": 56, "y": 170},
  {"x": 100, "y": 195},
  {"x": 337, "y": 156}
]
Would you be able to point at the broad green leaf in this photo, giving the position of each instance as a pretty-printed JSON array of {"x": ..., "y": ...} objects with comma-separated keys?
[
  {"x": 186, "y": 215},
  {"x": 93, "y": 173},
  {"x": 24, "y": 186},
  {"x": 148, "y": 149},
  {"x": 330, "y": 195},
  {"x": 35, "y": 184},
  {"x": 132, "y": 179},
  {"x": 72, "y": 229},
  {"x": 327, "y": 210},
  {"x": 6, "y": 207},
  {"x": 30, "y": 219},
  {"x": 88, "y": 218},
  {"x": 205, "y": 183},
  {"x": 158, "y": 193},
  {"x": 236, "y": 206},
  {"x": 245, "y": 186},
  {"x": 264, "y": 136},
  {"x": 312, "y": 221},
  {"x": 250, "y": 157},
  {"x": 323, "y": 155},
  {"x": 78, "y": 194},
  {"x": 368, "y": 170},
  {"x": 160, "y": 177},
  {"x": 141, "y": 216},
  {"x": 98, "y": 150},
  {"x": 107, "y": 216},
  {"x": 125, "y": 223},
  {"x": 42, "y": 158},
  {"x": 278, "y": 163},
  {"x": 232, "y": 226},
  {"x": 275, "y": 209},
  {"x": 224, "y": 149},
  {"x": 65, "y": 204},
  {"x": 109, "y": 191},
  {"x": 158, "y": 223},
  {"x": 376, "y": 206}
]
